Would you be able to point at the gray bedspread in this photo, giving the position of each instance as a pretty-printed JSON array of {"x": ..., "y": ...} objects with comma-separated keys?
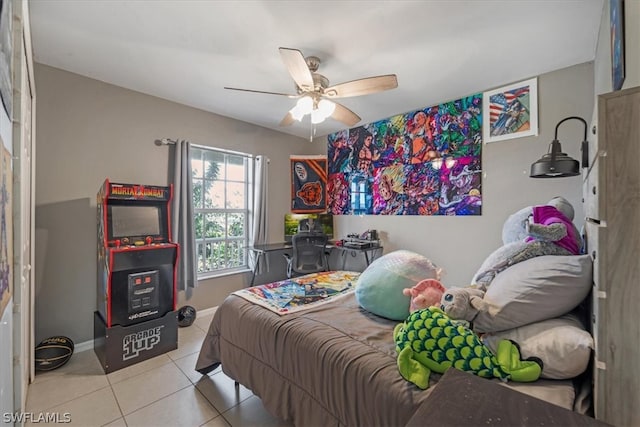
[{"x": 334, "y": 365}]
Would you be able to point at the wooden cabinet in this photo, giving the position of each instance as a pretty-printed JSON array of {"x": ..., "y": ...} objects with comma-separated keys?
[{"x": 612, "y": 205}]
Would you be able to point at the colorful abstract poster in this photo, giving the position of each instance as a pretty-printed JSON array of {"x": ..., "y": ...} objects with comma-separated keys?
[
  {"x": 389, "y": 190},
  {"x": 338, "y": 194},
  {"x": 460, "y": 187},
  {"x": 308, "y": 184},
  {"x": 408, "y": 164},
  {"x": 6, "y": 227}
]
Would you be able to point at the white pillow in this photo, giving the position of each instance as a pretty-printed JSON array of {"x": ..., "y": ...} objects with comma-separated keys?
[
  {"x": 536, "y": 289},
  {"x": 562, "y": 344}
]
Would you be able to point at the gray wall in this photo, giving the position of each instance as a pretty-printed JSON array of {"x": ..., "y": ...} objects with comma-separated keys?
[
  {"x": 65, "y": 292},
  {"x": 460, "y": 244},
  {"x": 88, "y": 131}
]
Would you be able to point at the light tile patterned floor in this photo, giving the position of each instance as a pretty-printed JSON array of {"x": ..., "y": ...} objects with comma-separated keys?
[{"x": 163, "y": 391}]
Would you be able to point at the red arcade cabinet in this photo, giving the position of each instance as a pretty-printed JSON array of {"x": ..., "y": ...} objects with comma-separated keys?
[{"x": 136, "y": 295}]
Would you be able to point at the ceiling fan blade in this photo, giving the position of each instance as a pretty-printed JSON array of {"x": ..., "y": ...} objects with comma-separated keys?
[
  {"x": 362, "y": 86},
  {"x": 262, "y": 91},
  {"x": 297, "y": 67},
  {"x": 345, "y": 115},
  {"x": 287, "y": 120}
]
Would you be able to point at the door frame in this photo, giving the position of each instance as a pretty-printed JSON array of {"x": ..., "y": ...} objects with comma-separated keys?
[{"x": 24, "y": 208}]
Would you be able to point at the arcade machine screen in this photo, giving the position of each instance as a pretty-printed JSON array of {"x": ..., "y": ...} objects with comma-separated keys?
[
  {"x": 136, "y": 224},
  {"x": 129, "y": 221}
]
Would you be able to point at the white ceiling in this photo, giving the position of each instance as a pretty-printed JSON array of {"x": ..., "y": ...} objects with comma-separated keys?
[{"x": 187, "y": 51}]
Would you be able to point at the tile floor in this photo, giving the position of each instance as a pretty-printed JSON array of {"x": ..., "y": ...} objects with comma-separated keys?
[{"x": 163, "y": 391}]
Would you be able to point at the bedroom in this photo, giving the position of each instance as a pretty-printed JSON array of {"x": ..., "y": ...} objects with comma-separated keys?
[{"x": 114, "y": 138}]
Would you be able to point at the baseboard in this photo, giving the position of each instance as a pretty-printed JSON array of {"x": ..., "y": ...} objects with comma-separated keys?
[{"x": 83, "y": 346}]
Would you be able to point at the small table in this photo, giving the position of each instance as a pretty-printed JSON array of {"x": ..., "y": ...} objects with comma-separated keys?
[{"x": 261, "y": 250}]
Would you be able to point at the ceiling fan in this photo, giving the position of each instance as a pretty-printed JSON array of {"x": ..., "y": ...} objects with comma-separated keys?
[{"x": 315, "y": 96}]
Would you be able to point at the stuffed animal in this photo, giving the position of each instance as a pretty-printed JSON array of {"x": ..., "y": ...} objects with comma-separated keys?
[
  {"x": 463, "y": 303},
  {"x": 424, "y": 294},
  {"x": 379, "y": 287},
  {"x": 533, "y": 231},
  {"x": 430, "y": 341}
]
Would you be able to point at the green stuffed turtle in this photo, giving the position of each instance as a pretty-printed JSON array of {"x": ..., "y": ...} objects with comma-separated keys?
[{"x": 431, "y": 341}]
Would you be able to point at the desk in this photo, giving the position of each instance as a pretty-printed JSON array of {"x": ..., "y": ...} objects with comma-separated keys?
[
  {"x": 261, "y": 250},
  {"x": 373, "y": 250}
]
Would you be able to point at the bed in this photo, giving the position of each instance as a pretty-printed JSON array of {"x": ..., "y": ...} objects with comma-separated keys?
[{"x": 331, "y": 365}]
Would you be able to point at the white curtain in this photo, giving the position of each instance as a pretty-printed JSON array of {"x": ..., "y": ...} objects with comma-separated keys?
[
  {"x": 260, "y": 206},
  {"x": 182, "y": 220}
]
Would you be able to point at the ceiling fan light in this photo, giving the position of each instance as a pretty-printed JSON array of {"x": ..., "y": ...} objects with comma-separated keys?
[
  {"x": 317, "y": 116},
  {"x": 326, "y": 107},
  {"x": 296, "y": 113},
  {"x": 305, "y": 105}
]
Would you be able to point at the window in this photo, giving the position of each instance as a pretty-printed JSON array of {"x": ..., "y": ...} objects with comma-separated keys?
[{"x": 221, "y": 195}]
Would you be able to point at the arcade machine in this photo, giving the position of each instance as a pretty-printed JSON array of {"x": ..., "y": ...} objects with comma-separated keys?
[{"x": 136, "y": 317}]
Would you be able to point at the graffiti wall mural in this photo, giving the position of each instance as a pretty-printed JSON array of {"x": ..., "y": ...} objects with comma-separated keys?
[{"x": 425, "y": 162}]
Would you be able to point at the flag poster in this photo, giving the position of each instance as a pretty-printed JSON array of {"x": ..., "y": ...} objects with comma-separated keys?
[
  {"x": 308, "y": 184},
  {"x": 425, "y": 162},
  {"x": 511, "y": 111}
]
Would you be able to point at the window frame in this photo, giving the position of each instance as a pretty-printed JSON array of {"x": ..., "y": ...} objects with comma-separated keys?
[{"x": 240, "y": 243}]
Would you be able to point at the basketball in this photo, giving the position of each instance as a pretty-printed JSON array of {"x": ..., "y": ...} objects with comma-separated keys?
[
  {"x": 53, "y": 352},
  {"x": 186, "y": 316}
]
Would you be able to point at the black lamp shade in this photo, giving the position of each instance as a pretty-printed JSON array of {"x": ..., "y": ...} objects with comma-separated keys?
[
  {"x": 555, "y": 164},
  {"x": 564, "y": 166}
]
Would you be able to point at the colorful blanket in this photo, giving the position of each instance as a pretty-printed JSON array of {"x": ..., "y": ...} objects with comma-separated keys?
[{"x": 301, "y": 293}]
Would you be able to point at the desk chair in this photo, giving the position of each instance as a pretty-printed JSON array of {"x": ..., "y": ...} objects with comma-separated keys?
[{"x": 308, "y": 254}]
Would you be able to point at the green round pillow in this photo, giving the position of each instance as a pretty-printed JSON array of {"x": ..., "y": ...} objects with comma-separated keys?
[{"x": 379, "y": 287}]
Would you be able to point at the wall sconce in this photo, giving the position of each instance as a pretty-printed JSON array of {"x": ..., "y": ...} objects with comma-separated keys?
[{"x": 556, "y": 164}]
